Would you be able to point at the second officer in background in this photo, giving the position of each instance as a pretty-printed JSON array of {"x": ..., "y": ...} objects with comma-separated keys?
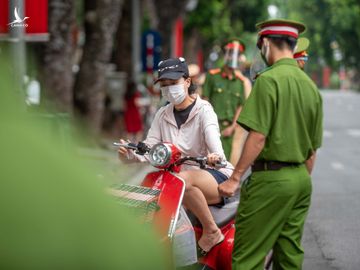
[{"x": 226, "y": 89}]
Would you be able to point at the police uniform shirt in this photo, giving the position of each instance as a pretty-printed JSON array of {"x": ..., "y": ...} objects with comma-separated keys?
[
  {"x": 224, "y": 94},
  {"x": 285, "y": 106}
]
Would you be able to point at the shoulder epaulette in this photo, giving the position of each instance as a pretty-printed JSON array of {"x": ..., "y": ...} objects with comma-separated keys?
[
  {"x": 215, "y": 71},
  {"x": 263, "y": 71}
]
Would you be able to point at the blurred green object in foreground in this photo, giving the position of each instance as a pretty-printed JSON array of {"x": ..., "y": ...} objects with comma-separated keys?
[
  {"x": 54, "y": 212},
  {"x": 56, "y": 125}
]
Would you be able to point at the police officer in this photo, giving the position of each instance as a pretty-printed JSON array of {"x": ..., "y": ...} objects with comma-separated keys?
[
  {"x": 300, "y": 54},
  {"x": 226, "y": 89},
  {"x": 284, "y": 117}
]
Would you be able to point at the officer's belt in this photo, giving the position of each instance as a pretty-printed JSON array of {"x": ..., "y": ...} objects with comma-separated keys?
[{"x": 265, "y": 165}]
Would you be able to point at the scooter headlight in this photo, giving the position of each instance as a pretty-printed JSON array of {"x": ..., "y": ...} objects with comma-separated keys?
[{"x": 160, "y": 155}]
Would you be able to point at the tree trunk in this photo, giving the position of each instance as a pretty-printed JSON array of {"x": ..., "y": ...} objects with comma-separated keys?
[
  {"x": 168, "y": 11},
  {"x": 101, "y": 21},
  {"x": 192, "y": 46},
  {"x": 123, "y": 46},
  {"x": 57, "y": 55}
]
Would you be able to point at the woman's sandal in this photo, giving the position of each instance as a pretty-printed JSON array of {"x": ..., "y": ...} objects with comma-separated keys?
[{"x": 203, "y": 253}]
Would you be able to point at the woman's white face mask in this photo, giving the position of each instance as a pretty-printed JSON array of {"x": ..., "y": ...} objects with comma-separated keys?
[
  {"x": 164, "y": 92},
  {"x": 174, "y": 93}
]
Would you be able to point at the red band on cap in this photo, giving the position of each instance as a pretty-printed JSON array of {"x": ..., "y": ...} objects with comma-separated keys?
[
  {"x": 300, "y": 54},
  {"x": 283, "y": 33},
  {"x": 285, "y": 30}
]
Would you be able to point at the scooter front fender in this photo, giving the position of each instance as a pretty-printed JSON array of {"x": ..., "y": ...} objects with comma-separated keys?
[{"x": 172, "y": 189}]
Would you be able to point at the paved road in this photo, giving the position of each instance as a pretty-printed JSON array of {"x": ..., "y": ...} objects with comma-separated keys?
[{"x": 332, "y": 237}]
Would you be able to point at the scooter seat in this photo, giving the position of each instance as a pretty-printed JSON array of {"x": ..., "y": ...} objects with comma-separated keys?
[{"x": 222, "y": 214}]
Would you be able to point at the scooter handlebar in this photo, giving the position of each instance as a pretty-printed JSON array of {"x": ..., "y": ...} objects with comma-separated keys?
[
  {"x": 219, "y": 164},
  {"x": 140, "y": 148},
  {"x": 202, "y": 161},
  {"x": 131, "y": 146}
]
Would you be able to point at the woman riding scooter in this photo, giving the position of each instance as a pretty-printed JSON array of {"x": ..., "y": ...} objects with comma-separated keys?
[{"x": 191, "y": 124}]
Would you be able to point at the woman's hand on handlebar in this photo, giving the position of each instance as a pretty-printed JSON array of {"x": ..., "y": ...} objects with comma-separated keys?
[
  {"x": 123, "y": 152},
  {"x": 212, "y": 159}
]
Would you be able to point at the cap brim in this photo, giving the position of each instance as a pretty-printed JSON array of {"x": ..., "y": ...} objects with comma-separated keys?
[{"x": 170, "y": 76}]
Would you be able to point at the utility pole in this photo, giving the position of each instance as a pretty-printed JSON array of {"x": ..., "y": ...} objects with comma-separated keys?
[{"x": 17, "y": 47}]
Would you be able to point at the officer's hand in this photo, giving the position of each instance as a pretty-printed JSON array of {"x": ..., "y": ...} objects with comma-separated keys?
[
  {"x": 227, "y": 132},
  {"x": 229, "y": 187}
]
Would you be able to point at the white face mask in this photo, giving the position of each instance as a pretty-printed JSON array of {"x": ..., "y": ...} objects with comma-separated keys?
[
  {"x": 164, "y": 92},
  {"x": 174, "y": 93}
]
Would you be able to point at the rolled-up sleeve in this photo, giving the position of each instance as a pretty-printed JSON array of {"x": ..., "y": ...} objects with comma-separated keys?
[
  {"x": 259, "y": 110},
  {"x": 318, "y": 128}
]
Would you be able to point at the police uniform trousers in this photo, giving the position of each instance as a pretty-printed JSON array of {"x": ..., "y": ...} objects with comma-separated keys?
[{"x": 271, "y": 215}]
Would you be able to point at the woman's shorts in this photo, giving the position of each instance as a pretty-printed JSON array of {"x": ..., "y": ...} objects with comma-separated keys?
[{"x": 219, "y": 177}]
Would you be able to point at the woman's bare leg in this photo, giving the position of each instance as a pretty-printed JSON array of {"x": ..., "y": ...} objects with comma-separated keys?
[{"x": 201, "y": 190}]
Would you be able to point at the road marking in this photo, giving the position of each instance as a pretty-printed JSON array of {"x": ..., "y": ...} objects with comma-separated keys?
[
  {"x": 327, "y": 134},
  {"x": 337, "y": 166},
  {"x": 354, "y": 132}
]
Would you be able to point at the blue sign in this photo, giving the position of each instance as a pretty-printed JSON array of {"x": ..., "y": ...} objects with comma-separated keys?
[{"x": 150, "y": 50}]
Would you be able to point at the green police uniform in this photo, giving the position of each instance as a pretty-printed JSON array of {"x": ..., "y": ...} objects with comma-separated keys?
[
  {"x": 286, "y": 107},
  {"x": 226, "y": 95}
]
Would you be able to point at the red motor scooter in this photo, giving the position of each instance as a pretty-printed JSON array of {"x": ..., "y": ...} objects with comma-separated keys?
[{"x": 161, "y": 193}]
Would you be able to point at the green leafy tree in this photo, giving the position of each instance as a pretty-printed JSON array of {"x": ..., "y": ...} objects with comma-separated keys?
[
  {"x": 332, "y": 27},
  {"x": 215, "y": 21},
  {"x": 345, "y": 22}
]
